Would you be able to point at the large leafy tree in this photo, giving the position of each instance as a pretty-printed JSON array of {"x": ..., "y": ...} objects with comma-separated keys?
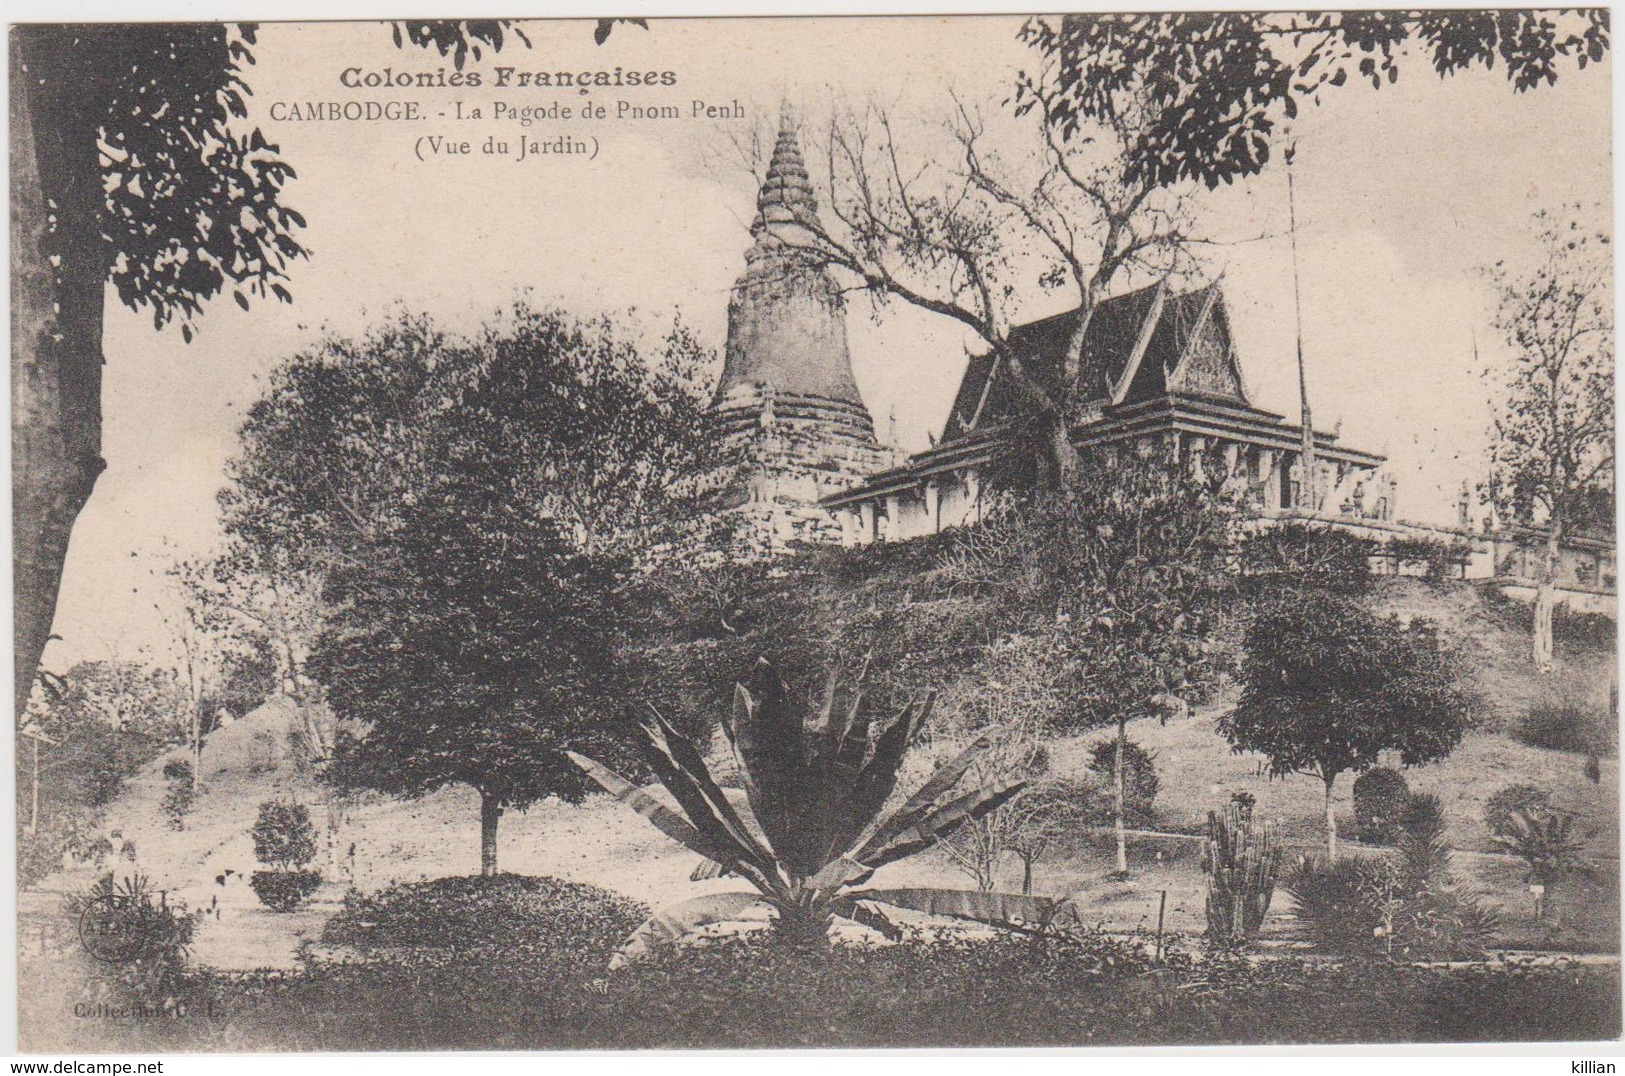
[
  {"x": 1327, "y": 685},
  {"x": 132, "y": 164},
  {"x": 465, "y": 505},
  {"x": 471, "y": 646},
  {"x": 1552, "y": 450}
]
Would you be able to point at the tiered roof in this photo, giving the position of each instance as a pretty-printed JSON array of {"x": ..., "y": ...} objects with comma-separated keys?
[{"x": 1138, "y": 346}]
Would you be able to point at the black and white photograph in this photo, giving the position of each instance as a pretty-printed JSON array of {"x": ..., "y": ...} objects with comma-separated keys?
[{"x": 781, "y": 533}]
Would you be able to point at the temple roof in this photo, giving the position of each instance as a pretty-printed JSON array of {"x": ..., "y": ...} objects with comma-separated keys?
[{"x": 1138, "y": 346}]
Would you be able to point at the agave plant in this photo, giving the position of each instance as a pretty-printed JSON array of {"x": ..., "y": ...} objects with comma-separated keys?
[{"x": 812, "y": 826}]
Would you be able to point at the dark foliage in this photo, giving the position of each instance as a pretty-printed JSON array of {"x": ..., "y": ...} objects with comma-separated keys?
[
  {"x": 1439, "y": 560},
  {"x": 752, "y": 992},
  {"x": 1568, "y": 725},
  {"x": 1380, "y": 796},
  {"x": 580, "y": 925},
  {"x": 1306, "y": 554},
  {"x": 1140, "y": 783},
  {"x": 1500, "y": 808},
  {"x": 1328, "y": 685},
  {"x": 191, "y": 196},
  {"x": 1405, "y": 906},
  {"x": 1332, "y": 904},
  {"x": 247, "y": 678},
  {"x": 283, "y": 835},
  {"x": 283, "y": 891},
  {"x": 1592, "y": 633},
  {"x": 417, "y": 475},
  {"x": 1218, "y": 86}
]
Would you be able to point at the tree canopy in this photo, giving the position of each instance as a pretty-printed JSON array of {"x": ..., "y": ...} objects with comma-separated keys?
[
  {"x": 1327, "y": 685},
  {"x": 1216, "y": 87},
  {"x": 465, "y": 505}
]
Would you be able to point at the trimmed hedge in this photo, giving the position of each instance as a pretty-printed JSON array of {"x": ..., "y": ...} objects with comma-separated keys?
[
  {"x": 283, "y": 891},
  {"x": 509, "y": 912}
]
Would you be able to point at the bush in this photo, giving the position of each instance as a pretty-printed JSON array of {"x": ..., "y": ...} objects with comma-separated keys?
[
  {"x": 140, "y": 939},
  {"x": 1403, "y": 906},
  {"x": 1308, "y": 555},
  {"x": 284, "y": 839},
  {"x": 1380, "y": 797},
  {"x": 1500, "y": 808},
  {"x": 746, "y": 991},
  {"x": 1568, "y": 725},
  {"x": 1548, "y": 841},
  {"x": 1333, "y": 905},
  {"x": 283, "y": 891},
  {"x": 1140, "y": 783},
  {"x": 508, "y": 912},
  {"x": 283, "y": 835}
]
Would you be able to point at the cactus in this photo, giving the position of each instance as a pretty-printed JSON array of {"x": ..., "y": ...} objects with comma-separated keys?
[{"x": 1241, "y": 860}]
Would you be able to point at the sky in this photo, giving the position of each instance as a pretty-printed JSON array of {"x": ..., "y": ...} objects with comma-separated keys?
[{"x": 1403, "y": 196}]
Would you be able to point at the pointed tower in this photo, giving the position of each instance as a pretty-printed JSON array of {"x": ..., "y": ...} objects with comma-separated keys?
[{"x": 788, "y": 425}]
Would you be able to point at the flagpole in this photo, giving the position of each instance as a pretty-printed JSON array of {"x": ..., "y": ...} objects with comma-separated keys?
[{"x": 1309, "y": 491}]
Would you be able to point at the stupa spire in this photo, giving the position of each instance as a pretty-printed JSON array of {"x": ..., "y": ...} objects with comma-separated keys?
[
  {"x": 787, "y": 320},
  {"x": 786, "y": 196}
]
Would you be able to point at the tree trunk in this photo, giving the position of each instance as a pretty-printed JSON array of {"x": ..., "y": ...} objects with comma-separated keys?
[
  {"x": 1026, "y": 876},
  {"x": 1119, "y": 798},
  {"x": 1546, "y": 595},
  {"x": 59, "y": 272},
  {"x": 1331, "y": 821},
  {"x": 1064, "y": 455},
  {"x": 490, "y": 815}
]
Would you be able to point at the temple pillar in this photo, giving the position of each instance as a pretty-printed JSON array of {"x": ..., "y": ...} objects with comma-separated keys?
[
  {"x": 1268, "y": 460},
  {"x": 866, "y": 523},
  {"x": 933, "y": 505}
]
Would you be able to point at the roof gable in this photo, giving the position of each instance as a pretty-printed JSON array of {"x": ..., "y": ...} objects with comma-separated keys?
[{"x": 1138, "y": 346}]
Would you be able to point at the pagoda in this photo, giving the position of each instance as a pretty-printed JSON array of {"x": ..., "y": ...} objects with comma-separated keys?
[{"x": 787, "y": 426}]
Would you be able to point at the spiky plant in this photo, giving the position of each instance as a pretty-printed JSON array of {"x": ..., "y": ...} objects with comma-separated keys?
[
  {"x": 1242, "y": 861},
  {"x": 813, "y": 824},
  {"x": 1547, "y": 840}
]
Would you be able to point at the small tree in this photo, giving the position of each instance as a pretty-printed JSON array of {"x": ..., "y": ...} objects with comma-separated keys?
[
  {"x": 285, "y": 841},
  {"x": 1135, "y": 563},
  {"x": 1552, "y": 452},
  {"x": 283, "y": 835},
  {"x": 1328, "y": 685}
]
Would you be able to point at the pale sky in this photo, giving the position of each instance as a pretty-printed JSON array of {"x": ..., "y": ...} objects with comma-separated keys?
[{"x": 1403, "y": 195}]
